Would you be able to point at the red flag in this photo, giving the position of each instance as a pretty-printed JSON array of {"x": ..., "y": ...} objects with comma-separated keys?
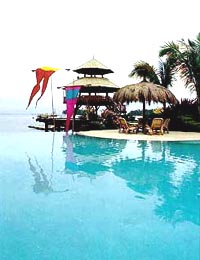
[
  {"x": 71, "y": 99},
  {"x": 45, "y": 82},
  {"x": 44, "y": 74}
]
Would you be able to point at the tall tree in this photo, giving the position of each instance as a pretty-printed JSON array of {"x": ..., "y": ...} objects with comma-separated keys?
[
  {"x": 186, "y": 59},
  {"x": 164, "y": 75},
  {"x": 145, "y": 71},
  {"x": 166, "y": 72}
]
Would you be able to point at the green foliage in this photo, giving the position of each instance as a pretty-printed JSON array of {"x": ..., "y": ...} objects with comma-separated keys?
[
  {"x": 184, "y": 116},
  {"x": 186, "y": 59},
  {"x": 164, "y": 75},
  {"x": 170, "y": 49},
  {"x": 145, "y": 71},
  {"x": 180, "y": 58},
  {"x": 166, "y": 72}
]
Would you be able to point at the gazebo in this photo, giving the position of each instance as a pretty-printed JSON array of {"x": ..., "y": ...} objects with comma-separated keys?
[
  {"x": 95, "y": 88},
  {"x": 96, "y": 91}
]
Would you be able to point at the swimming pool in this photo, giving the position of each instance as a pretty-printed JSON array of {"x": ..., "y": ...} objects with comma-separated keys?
[{"x": 80, "y": 197}]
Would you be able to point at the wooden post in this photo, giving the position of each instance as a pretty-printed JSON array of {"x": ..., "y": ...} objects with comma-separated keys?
[
  {"x": 52, "y": 104},
  {"x": 46, "y": 126}
]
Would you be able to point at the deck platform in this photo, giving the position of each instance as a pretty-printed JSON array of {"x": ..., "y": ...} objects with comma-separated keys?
[{"x": 58, "y": 124}]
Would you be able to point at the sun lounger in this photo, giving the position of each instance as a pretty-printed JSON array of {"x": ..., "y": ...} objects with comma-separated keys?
[
  {"x": 156, "y": 127},
  {"x": 125, "y": 127}
]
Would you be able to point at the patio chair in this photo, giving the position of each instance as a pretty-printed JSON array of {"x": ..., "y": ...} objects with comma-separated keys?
[
  {"x": 166, "y": 125},
  {"x": 125, "y": 127},
  {"x": 156, "y": 127}
]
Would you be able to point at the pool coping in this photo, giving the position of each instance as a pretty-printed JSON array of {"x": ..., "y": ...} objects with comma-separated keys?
[{"x": 114, "y": 134}]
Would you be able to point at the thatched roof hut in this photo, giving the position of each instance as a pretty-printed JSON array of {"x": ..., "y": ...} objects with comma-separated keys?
[
  {"x": 92, "y": 80},
  {"x": 95, "y": 88},
  {"x": 145, "y": 92},
  {"x": 94, "y": 85},
  {"x": 93, "y": 67}
]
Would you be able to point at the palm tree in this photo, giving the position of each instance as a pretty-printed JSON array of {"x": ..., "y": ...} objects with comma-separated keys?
[
  {"x": 186, "y": 61},
  {"x": 166, "y": 72},
  {"x": 149, "y": 90},
  {"x": 164, "y": 75},
  {"x": 145, "y": 71}
]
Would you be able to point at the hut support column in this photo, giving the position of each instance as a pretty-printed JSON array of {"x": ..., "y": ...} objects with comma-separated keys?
[
  {"x": 46, "y": 128},
  {"x": 143, "y": 115}
]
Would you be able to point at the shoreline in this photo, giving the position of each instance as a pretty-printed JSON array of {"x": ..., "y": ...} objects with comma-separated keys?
[{"x": 114, "y": 134}]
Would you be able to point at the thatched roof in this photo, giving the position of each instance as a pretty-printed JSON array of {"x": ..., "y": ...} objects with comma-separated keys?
[
  {"x": 95, "y": 84},
  {"x": 93, "y": 67},
  {"x": 145, "y": 91}
]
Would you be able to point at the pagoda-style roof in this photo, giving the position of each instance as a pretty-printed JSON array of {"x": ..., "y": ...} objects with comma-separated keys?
[
  {"x": 95, "y": 85},
  {"x": 93, "y": 67}
]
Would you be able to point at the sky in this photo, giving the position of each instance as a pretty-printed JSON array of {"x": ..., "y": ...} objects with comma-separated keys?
[{"x": 68, "y": 33}]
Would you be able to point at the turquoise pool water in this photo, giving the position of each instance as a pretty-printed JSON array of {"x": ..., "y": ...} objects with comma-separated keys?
[{"x": 87, "y": 198}]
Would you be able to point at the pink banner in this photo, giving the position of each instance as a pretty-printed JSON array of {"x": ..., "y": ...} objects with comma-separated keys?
[{"x": 71, "y": 99}]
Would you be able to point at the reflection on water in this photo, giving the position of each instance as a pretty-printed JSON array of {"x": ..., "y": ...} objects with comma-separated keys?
[
  {"x": 42, "y": 180},
  {"x": 89, "y": 155},
  {"x": 124, "y": 199},
  {"x": 42, "y": 184},
  {"x": 168, "y": 170}
]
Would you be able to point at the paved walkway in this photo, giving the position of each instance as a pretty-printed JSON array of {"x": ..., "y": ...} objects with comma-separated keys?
[{"x": 114, "y": 134}]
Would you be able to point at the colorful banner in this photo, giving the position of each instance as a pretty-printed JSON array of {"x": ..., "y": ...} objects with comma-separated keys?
[
  {"x": 71, "y": 99},
  {"x": 42, "y": 74}
]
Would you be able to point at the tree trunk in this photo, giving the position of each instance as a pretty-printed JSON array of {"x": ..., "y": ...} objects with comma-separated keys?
[
  {"x": 144, "y": 116},
  {"x": 198, "y": 105},
  {"x": 164, "y": 106},
  {"x": 198, "y": 99}
]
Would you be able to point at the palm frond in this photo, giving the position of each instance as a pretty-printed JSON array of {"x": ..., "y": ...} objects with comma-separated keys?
[
  {"x": 169, "y": 49},
  {"x": 145, "y": 71},
  {"x": 167, "y": 72}
]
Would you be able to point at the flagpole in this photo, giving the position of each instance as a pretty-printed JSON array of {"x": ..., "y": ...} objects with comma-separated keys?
[
  {"x": 73, "y": 124},
  {"x": 52, "y": 105},
  {"x": 73, "y": 118}
]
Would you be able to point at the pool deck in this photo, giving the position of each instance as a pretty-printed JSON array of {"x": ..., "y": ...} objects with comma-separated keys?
[{"x": 114, "y": 134}]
